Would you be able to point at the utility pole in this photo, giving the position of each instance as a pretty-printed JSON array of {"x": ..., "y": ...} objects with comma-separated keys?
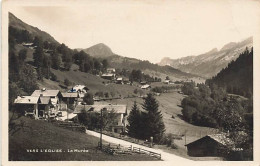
[
  {"x": 101, "y": 126},
  {"x": 185, "y": 138},
  {"x": 67, "y": 109}
]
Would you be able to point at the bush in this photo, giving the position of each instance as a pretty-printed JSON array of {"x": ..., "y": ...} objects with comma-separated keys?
[
  {"x": 99, "y": 94},
  {"x": 174, "y": 146},
  {"x": 106, "y": 94},
  {"x": 88, "y": 98},
  {"x": 167, "y": 139},
  {"x": 67, "y": 82},
  {"x": 53, "y": 77}
]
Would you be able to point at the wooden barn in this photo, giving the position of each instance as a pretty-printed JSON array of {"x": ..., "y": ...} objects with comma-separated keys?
[{"x": 210, "y": 145}]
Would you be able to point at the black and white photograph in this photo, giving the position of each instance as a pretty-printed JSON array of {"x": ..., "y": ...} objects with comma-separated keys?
[{"x": 134, "y": 80}]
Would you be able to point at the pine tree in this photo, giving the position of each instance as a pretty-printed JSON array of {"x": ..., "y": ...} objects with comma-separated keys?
[
  {"x": 134, "y": 119},
  {"x": 153, "y": 121}
]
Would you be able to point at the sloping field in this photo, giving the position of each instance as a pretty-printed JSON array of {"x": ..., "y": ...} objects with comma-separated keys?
[
  {"x": 42, "y": 136},
  {"x": 94, "y": 83},
  {"x": 169, "y": 107}
]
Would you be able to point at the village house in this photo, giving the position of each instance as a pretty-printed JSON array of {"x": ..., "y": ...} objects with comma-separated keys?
[
  {"x": 111, "y": 70},
  {"x": 70, "y": 98},
  {"x": 143, "y": 82},
  {"x": 126, "y": 81},
  {"x": 108, "y": 76},
  {"x": 55, "y": 96},
  {"x": 146, "y": 86},
  {"x": 27, "y": 104},
  {"x": 119, "y": 110},
  {"x": 80, "y": 89},
  {"x": 209, "y": 145},
  {"x": 29, "y": 45},
  {"x": 119, "y": 80},
  {"x": 34, "y": 106},
  {"x": 166, "y": 81}
]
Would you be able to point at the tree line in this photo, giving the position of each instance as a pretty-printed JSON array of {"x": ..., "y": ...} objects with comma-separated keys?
[{"x": 137, "y": 75}]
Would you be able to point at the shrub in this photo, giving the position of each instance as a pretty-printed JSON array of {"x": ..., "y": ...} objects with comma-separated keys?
[
  {"x": 174, "y": 146},
  {"x": 88, "y": 98},
  {"x": 53, "y": 77},
  {"x": 67, "y": 82}
]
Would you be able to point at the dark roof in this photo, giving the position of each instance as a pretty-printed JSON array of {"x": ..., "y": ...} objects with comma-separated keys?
[
  {"x": 220, "y": 138},
  {"x": 121, "y": 109},
  {"x": 46, "y": 92}
]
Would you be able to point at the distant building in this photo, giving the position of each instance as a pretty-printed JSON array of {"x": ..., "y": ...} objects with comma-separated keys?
[
  {"x": 143, "y": 82},
  {"x": 126, "y": 81},
  {"x": 108, "y": 76},
  {"x": 80, "y": 89},
  {"x": 111, "y": 70},
  {"x": 29, "y": 45},
  {"x": 166, "y": 81},
  {"x": 210, "y": 145},
  {"x": 119, "y": 110},
  {"x": 119, "y": 80},
  {"x": 146, "y": 86}
]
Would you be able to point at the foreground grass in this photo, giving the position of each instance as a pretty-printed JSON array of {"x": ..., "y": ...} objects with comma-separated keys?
[{"x": 42, "y": 135}]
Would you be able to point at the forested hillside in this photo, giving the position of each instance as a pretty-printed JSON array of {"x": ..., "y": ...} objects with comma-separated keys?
[
  {"x": 132, "y": 63},
  {"x": 237, "y": 77},
  {"x": 32, "y": 54},
  {"x": 211, "y": 104}
]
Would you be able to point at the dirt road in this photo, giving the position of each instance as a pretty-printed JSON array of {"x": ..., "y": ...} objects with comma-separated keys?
[{"x": 164, "y": 155}]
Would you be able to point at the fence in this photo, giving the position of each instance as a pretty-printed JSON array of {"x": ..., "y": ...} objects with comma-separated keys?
[
  {"x": 143, "y": 151},
  {"x": 115, "y": 149}
]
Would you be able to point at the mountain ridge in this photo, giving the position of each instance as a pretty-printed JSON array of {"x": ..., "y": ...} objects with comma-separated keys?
[
  {"x": 211, "y": 62},
  {"x": 99, "y": 50},
  {"x": 19, "y": 24}
]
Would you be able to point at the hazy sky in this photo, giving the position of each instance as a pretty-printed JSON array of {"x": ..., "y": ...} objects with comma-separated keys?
[{"x": 145, "y": 29}]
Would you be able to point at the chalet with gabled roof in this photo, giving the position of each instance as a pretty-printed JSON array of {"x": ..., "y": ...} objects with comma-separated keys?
[
  {"x": 209, "y": 145},
  {"x": 119, "y": 110}
]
